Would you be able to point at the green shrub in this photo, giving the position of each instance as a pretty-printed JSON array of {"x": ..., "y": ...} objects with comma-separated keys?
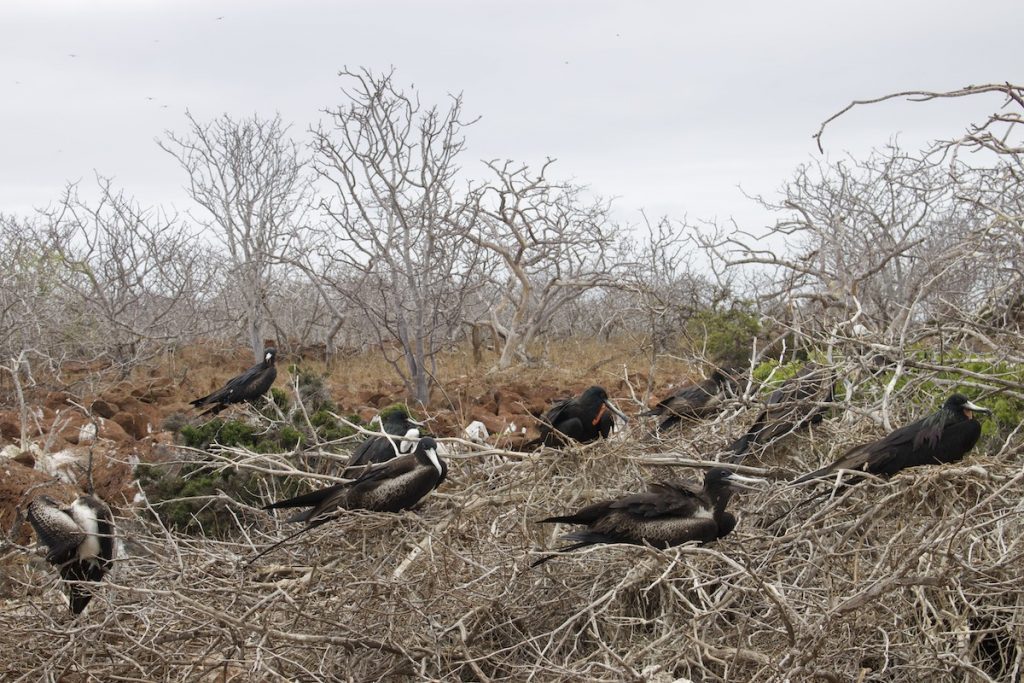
[
  {"x": 385, "y": 413},
  {"x": 172, "y": 490},
  {"x": 725, "y": 335},
  {"x": 230, "y": 433},
  {"x": 329, "y": 428},
  {"x": 313, "y": 390},
  {"x": 280, "y": 399}
]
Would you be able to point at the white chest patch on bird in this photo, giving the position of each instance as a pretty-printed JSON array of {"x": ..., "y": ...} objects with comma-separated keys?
[
  {"x": 407, "y": 445},
  {"x": 85, "y": 517},
  {"x": 702, "y": 513},
  {"x": 394, "y": 488}
]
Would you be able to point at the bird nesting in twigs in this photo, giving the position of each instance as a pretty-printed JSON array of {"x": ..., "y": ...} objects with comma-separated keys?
[
  {"x": 392, "y": 486},
  {"x": 583, "y": 418},
  {"x": 693, "y": 401},
  {"x": 80, "y": 541},
  {"x": 396, "y": 422},
  {"x": 667, "y": 514},
  {"x": 942, "y": 437},
  {"x": 794, "y": 405}
]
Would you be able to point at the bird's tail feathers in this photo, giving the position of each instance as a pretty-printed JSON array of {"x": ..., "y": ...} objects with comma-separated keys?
[
  {"x": 305, "y": 500},
  {"x": 582, "y": 539}
]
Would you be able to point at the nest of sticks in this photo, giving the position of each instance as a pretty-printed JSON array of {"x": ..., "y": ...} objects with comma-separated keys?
[{"x": 916, "y": 578}]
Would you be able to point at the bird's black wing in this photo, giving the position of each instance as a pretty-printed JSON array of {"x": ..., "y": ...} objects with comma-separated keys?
[
  {"x": 233, "y": 390},
  {"x": 587, "y": 515},
  {"x": 686, "y": 400},
  {"x": 306, "y": 499},
  {"x": 548, "y": 424},
  {"x": 374, "y": 450},
  {"x": 791, "y": 406},
  {"x": 105, "y": 529},
  {"x": 80, "y": 594},
  {"x": 661, "y": 500},
  {"x": 56, "y": 529},
  {"x": 874, "y": 454},
  {"x": 554, "y": 414},
  {"x": 381, "y": 472},
  {"x": 361, "y": 455}
]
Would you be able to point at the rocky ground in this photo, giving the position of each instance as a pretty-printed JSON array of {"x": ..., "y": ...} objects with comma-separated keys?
[{"x": 121, "y": 423}]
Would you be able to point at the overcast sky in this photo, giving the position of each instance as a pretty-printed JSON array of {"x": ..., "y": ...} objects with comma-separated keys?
[{"x": 669, "y": 106}]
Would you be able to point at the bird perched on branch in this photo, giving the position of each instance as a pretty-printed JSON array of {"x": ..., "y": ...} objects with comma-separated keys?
[
  {"x": 583, "y": 418},
  {"x": 80, "y": 540},
  {"x": 248, "y": 386},
  {"x": 794, "y": 405},
  {"x": 391, "y": 486},
  {"x": 667, "y": 514},
  {"x": 944, "y": 436},
  {"x": 396, "y": 422},
  {"x": 693, "y": 401}
]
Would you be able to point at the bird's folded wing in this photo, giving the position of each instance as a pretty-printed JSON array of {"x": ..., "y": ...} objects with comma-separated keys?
[
  {"x": 659, "y": 501},
  {"x": 57, "y": 530},
  {"x": 385, "y": 470}
]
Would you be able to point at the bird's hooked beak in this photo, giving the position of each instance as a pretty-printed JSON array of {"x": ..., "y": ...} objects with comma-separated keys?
[
  {"x": 616, "y": 411},
  {"x": 750, "y": 483},
  {"x": 435, "y": 461},
  {"x": 267, "y": 357},
  {"x": 971, "y": 408}
]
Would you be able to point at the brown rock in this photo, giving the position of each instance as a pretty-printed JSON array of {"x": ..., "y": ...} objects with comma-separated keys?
[
  {"x": 135, "y": 424},
  {"x": 72, "y": 431},
  {"x": 25, "y": 458},
  {"x": 113, "y": 431},
  {"x": 156, "y": 391},
  {"x": 494, "y": 423},
  {"x": 10, "y": 430},
  {"x": 103, "y": 408},
  {"x": 57, "y": 400},
  {"x": 371, "y": 398}
]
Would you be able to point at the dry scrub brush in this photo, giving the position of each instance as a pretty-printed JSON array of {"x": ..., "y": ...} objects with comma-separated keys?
[{"x": 918, "y": 578}]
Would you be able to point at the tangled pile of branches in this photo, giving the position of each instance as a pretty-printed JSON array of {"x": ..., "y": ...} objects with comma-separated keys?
[{"x": 915, "y": 578}]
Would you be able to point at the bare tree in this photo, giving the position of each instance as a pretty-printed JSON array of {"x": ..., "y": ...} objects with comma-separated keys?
[
  {"x": 885, "y": 243},
  {"x": 134, "y": 276},
  {"x": 554, "y": 242},
  {"x": 996, "y": 148},
  {"x": 393, "y": 245},
  {"x": 248, "y": 176}
]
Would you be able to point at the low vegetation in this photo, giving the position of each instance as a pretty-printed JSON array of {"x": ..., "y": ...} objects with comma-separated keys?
[{"x": 901, "y": 275}]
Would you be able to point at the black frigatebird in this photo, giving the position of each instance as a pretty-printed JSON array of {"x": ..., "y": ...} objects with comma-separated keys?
[
  {"x": 397, "y": 422},
  {"x": 80, "y": 540},
  {"x": 391, "y": 486},
  {"x": 667, "y": 514},
  {"x": 693, "y": 401},
  {"x": 795, "y": 404},
  {"x": 248, "y": 386},
  {"x": 944, "y": 436},
  {"x": 583, "y": 418}
]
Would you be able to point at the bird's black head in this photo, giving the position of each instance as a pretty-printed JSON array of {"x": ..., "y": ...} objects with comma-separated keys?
[
  {"x": 720, "y": 478},
  {"x": 958, "y": 404},
  {"x": 596, "y": 399},
  {"x": 399, "y": 419},
  {"x": 594, "y": 395},
  {"x": 427, "y": 448},
  {"x": 726, "y": 375},
  {"x": 269, "y": 356}
]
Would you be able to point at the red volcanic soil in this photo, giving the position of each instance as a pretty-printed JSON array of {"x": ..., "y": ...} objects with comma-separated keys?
[{"x": 123, "y": 422}]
